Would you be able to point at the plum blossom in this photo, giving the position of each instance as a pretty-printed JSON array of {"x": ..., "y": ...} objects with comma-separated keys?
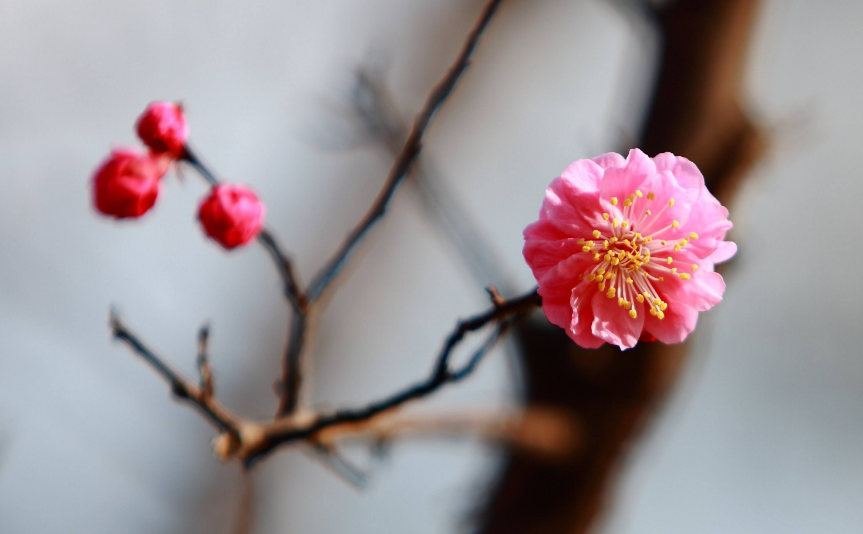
[{"x": 624, "y": 249}]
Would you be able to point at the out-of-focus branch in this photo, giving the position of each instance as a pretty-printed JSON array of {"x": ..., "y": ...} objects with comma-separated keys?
[
  {"x": 410, "y": 150},
  {"x": 541, "y": 431},
  {"x": 373, "y": 106}
]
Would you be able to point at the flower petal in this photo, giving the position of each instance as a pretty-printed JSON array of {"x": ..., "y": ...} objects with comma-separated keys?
[
  {"x": 611, "y": 159},
  {"x": 724, "y": 251},
  {"x": 582, "y": 317},
  {"x": 679, "y": 322},
  {"x": 613, "y": 324}
]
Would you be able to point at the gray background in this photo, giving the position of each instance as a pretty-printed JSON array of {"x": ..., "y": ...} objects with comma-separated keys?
[{"x": 763, "y": 435}]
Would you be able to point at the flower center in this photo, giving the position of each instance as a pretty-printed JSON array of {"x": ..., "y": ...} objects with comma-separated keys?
[{"x": 632, "y": 257}]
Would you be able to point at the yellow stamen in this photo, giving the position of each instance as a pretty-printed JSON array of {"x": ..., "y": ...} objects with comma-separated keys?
[
  {"x": 614, "y": 201},
  {"x": 633, "y": 314},
  {"x": 651, "y": 195},
  {"x": 605, "y": 216},
  {"x": 596, "y": 233},
  {"x": 693, "y": 235},
  {"x": 675, "y": 224}
]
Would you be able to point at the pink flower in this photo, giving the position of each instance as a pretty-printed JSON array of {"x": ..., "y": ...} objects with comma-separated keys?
[
  {"x": 232, "y": 215},
  {"x": 625, "y": 248},
  {"x": 162, "y": 127},
  {"x": 127, "y": 183}
]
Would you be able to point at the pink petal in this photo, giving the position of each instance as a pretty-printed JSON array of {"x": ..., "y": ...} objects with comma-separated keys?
[
  {"x": 686, "y": 172},
  {"x": 702, "y": 291},
  {"x": 724, "y": 251},
  {"x": 542, "y": 254},
  {"x": 582, "y": 316},
  {"x": 611, "y": 159},
  {"x": 621, "y": 182},
  {"x": 679, "y": 322},
  {"x": 613, "y": 324},
  {"x": 584, "y": 174}
]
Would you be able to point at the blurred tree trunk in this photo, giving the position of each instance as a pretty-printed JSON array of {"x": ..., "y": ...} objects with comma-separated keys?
[{"x": 695, "y": 113}]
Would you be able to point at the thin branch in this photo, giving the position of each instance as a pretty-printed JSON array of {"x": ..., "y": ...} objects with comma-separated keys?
[
  {"x": 410, "y": 150},
  {"x": 182, "y": 387},
  {"x": 289, "y": 386}
]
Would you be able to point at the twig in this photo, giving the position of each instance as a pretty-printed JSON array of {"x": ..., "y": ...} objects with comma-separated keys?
[
  {"x": 182, "y": 387},
  {"x": 401, "y": 166},
  {"x": 204, "y": 362}
]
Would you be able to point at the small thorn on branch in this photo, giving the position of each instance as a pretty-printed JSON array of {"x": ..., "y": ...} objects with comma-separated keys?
[
  {"x": 495, "y": 295},
  {"x": 203, "y": 361}
]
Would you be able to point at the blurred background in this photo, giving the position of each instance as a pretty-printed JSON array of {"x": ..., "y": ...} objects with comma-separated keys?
[{"x": 762, "y": 432}]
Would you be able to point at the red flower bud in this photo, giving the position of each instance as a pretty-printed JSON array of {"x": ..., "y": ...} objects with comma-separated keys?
[
  {"x": 163, "y": 128},
  {"x": 232, "y": 215},
  {"x": 127, "y": 183}
]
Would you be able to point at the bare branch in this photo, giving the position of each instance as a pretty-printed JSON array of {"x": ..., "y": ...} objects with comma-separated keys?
[{"x": 182, "y": 387}]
